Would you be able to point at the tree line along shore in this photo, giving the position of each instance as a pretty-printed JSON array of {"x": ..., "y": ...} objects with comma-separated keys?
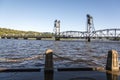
[{"x": 6, "y": 31}]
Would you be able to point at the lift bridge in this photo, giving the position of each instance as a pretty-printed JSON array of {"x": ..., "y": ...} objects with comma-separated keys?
[
  {"x": 90, "y": 33},
  {"x": 105, "y": 33}
]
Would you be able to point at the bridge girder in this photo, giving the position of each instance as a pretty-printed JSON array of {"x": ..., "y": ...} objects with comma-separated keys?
[{"x": 110, "y": 33}]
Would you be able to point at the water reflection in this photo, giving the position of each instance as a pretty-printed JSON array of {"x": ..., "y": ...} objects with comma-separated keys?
[
  {"x": 112, "y": 76},
  {"x": 48, "y": 75}
]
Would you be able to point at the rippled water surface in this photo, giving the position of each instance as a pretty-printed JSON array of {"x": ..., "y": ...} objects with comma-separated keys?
[{"x": 67, "y": 53}]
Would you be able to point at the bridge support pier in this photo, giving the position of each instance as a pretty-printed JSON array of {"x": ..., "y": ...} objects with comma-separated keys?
[
  {"x": 8, "y": 37},
  {"x": 57, "y": 38},
  {"x": 38, "y": 38},
  {"x": 89, "y": 39},
  {"x": 2, "y": 37},
  {"x": 25, "y": 38},
  {"x": 15, "y": 37}
]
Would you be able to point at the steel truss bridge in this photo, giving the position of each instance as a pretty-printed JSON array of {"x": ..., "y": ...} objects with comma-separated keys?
[
  {"x": 105, "y": 33},
  {"x": 113, "y": 34}
]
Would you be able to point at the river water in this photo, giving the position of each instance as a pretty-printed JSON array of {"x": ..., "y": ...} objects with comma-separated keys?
[{"x": 70, "y": 53}]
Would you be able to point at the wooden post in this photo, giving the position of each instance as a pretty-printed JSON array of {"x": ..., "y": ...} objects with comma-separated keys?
[
  {"x": 112, "y": 61},
  {"x": 49, "y": 59},
  {"x": 48, "y": 71}
]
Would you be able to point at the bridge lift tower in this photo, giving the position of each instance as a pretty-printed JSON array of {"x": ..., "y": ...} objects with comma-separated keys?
[
  {"x": 90, "y": 27},
  {"x": 57, "y": 30}
]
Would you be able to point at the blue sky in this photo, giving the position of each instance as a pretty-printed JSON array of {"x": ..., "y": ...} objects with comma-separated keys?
[{"x": 39, "y": 15}]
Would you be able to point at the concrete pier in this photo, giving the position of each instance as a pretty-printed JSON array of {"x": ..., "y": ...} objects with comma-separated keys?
[
  {"x": 112, "y": 61},
  {"x": 89, "y": 40},
  {"x": 57, "y": 38}
]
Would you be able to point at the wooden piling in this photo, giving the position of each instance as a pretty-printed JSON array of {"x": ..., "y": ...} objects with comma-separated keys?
[
  {"x": 48, "y": 71},
  {"x": 49, "y": 60},
  {"x": 112, "y": 61}
]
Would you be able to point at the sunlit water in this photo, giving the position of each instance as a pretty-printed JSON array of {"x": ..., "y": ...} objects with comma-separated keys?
[{"x": 75, "y": 53}]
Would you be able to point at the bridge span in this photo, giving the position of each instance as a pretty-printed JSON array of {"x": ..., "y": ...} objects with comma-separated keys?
[
  {"x": 105, "y": 33},
  {"x": 112, "y": 34},
  {"x": 90, "y": 32}
]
